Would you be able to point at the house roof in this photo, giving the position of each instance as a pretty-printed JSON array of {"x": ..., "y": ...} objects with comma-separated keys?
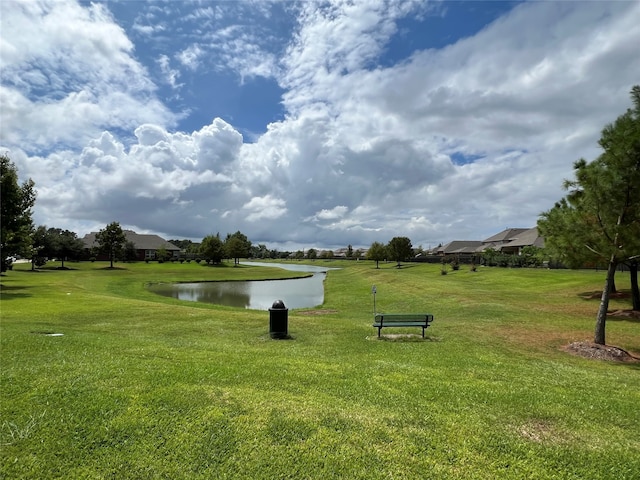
[
  {"x": 460, "y": 246},
  {"x": 527, "y": 238},
  {"x": 141, "y": 241},
  {"x": 511, "y": 237},
  {"x": 505, "y": 235}
]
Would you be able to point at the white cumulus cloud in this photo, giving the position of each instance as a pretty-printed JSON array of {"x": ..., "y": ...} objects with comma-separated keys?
[{"x": 451, "y": 143}]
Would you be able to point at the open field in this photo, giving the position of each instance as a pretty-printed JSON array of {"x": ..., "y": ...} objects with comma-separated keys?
[{"x": 143, "y": 386}]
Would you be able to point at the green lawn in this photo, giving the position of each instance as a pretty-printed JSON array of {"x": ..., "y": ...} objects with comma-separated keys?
[{"x": 143, "y": 386}]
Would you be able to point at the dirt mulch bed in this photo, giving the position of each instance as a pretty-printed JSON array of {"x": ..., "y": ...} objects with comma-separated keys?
[{"x": 600, "y": 352}]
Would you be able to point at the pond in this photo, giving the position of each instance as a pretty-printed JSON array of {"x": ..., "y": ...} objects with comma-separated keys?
[{"x": 258, "y": 295}]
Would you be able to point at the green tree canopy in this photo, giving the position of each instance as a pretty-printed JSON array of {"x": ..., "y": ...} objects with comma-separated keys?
[
  {"x": 237, "y": 246},
  {"x": 349, "y": 251},
  {"x": 61, "y": 244},
  {"x": 16, "y": 202},
  {"x": 38, "y": 248},
  {"x": 377, "y": 251},
  {"x": 212, "y": 248},
  {"x": 187, "y": 245},
  {"x": 399, "y": 249},
  {"x": 110, "y": 240},
  {"x": 129, "y": 251},
  {"x": 600, "y": 216}
]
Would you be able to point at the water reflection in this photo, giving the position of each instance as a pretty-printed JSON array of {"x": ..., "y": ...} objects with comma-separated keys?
[{"x": 259, "y": 295}]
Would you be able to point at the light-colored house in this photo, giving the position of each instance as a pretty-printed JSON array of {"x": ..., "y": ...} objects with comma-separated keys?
[{"x": 146, "y": 245}]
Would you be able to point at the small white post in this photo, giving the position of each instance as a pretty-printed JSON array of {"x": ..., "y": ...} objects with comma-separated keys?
[{"x": 374, "y": 291}]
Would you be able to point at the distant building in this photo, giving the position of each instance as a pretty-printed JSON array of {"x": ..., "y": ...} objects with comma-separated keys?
[
  {"x": 457, "y": 247},
  {"x": 146, "y": 246},
  {"x": 528, "y": 238},
  {"x": 510, "y": 241},
  {"x": 503, "y": 238}
]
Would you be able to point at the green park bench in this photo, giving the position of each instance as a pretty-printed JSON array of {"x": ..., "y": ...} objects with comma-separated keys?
[{"x": 382, "y": 320}]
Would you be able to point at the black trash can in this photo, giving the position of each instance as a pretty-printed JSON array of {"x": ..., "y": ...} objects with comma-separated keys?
[{"x": 279, "y": 320}]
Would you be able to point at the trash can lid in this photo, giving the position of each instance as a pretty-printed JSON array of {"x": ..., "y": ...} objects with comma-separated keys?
[{"x": 278, "y": 304}]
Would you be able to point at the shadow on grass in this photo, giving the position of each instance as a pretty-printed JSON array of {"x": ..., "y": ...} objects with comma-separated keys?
[
  {"x": 55, "y": 269},
  {"x": 632, "y": 316},
  {"x": 8, "y": 292},
  {"x": 268, "y": 338},
  {"x": 112, "y": 268},
  {"x": 402, "y": 266},
  {"x": 404, "y": 337}
]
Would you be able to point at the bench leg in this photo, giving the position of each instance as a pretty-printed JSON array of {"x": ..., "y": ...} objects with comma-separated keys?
[{"x": 422, "y": 332}]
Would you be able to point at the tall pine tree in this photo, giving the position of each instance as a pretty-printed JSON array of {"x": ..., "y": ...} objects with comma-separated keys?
[{"x": 600, "y": 216}]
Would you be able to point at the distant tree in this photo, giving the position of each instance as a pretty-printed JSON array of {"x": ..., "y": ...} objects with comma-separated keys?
[
  {"x": 600, "y": 216},
  {"x": 490, "y": 257},
  {"x": 312, "y": 254},
  {"x": 237, "y": 246},
  {"x": 260, "y": 251},
  {"x": 110, "y": 240},
  {"x": 399, "y": 249},
  {"x": 186, "y": 246},
  {"x": 63, "y": 244},
  {"x": 532, "y": 256},
  {"x": 326, "y": 254},
  {"x": 377, "y": 252},
  {"x": 349, "y": 251},
  {"x": 162, "y": 254},
  {"x": 16, "y": 202},
  {"x": 129, "y": 251},
  {"x": 212, "y": 248},
  {"x": 39, "y": 240}
]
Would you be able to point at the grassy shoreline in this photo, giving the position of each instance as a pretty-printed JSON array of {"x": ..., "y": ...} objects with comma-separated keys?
[{"x": 143, "y": 386}]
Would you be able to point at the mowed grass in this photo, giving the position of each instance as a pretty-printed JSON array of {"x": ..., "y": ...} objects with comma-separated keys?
[{"x": 143, "y": 386}]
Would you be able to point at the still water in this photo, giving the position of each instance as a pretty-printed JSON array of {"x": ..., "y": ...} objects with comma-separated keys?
[{"x": 259, "y": 295}]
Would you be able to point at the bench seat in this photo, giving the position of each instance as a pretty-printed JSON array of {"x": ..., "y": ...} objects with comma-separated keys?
[{"x": 382, "y": 320}]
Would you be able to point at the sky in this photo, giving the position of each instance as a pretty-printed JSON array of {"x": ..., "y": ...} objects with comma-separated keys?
[{"x": 309, "y": 124}]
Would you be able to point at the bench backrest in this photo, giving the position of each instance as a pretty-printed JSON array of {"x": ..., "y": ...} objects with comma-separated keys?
[{"x": 403, "y": 317}]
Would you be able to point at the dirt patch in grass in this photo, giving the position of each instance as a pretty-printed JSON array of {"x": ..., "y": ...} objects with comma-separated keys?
[
  {"x": 404, "y": 337},
  {"x": 539, "y": 431},
  {"x": 598, "y": 294},
  {"x": 600, "y": 352},
  {"x": 628, "y": 314},
  {"x": 543, "y": 339}
]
